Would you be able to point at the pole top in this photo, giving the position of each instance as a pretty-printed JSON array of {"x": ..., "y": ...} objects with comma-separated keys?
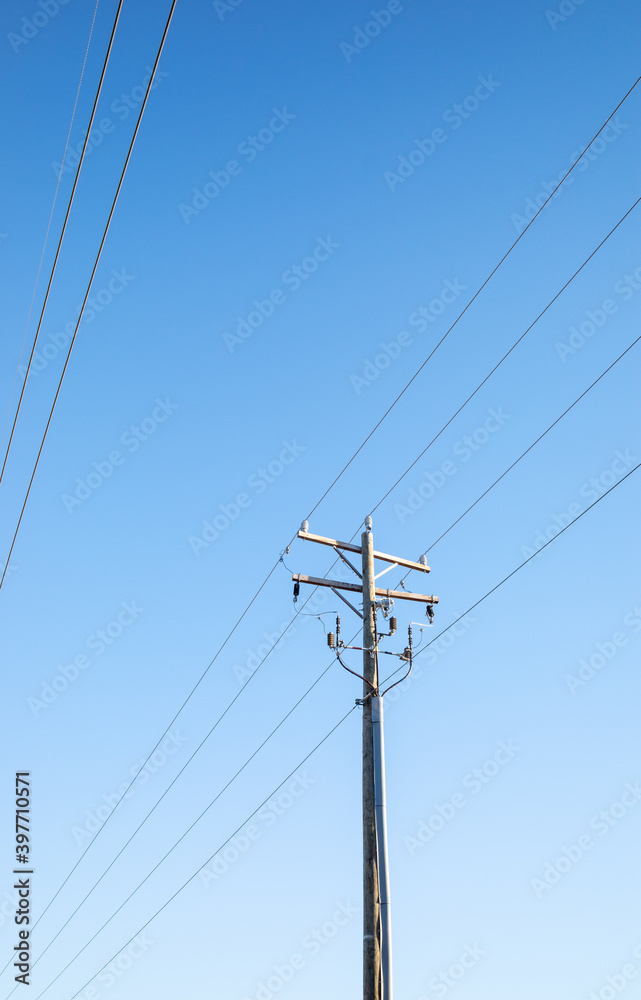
[{"x": 368, "y": 523}]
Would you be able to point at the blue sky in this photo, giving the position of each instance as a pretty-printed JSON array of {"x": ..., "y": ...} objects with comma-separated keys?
[{"x": 310, "y": 204}]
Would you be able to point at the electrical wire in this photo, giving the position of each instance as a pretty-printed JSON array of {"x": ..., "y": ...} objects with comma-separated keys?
[
  {"x": 342, "y": 471},
  {"x": 405, "y": 576},
  {"x": 529, "y": 558},
  {"x": 474, "y": 297},
  {"x": 180, "y": 839},
  {"x": 44, "y": 245},
  {"x": 204, "y": 865},
  {"x": 506, "y": 355},
  {"x": 442, "y": 632},
  {"x": 62, "y": 235},
  {"x": 93, "y": 272},
  {"x": 523, "y": 454}
]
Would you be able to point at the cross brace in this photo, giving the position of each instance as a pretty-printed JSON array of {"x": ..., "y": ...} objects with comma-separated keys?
[{"x": 397, "y": 595}]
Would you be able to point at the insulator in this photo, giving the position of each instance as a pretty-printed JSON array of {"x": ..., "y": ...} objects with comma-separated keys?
[
  {"x": 338, "y": 627},
  {"x": 296, "y": 589},
  {"x": 392, "y": 625},
  {"x": 406, "y": 654},
  {"x": 430, "y": 613},
  {"x": 331, "y": 640}
]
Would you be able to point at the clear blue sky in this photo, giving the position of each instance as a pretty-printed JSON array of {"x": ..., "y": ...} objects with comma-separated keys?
[{"x": 310, "y": 203}]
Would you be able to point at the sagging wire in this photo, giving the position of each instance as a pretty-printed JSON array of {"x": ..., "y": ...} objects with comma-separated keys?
[{"x": 407, "y": 655}]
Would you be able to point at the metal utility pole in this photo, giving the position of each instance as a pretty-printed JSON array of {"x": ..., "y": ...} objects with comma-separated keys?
[
  {"x": 377, "y": 942},
  {"x": 371, "y": 912}
]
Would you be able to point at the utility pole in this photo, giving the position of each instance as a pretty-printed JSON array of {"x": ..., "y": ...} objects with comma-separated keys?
[
  {"x": 377, "y": 946},
  {"x": 371, "y": 909}
]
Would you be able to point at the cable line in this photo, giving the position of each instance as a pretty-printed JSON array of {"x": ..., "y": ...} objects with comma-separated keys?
[
  {"x": 153, "y": 809},
  {"x": 204, "y": 865},
  {"x": 44, "y": 245},
  {"x": 93, "y": 272},
  {"x": 474, "y": 297},
  {"x": 442, "y": 632},
  {"x": 506, "y": 355},
  {"x": 331, "y": 485},
  {"x": 62, "y": 235},
  {"x": 527, "y": 450},
  {"x": 189, "y": 696}
]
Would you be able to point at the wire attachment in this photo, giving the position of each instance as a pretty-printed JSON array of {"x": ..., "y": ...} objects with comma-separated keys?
[{"x": 407, "y": 656}]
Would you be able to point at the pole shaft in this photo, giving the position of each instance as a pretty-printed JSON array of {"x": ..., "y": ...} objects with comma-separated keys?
[
  {"x": 371, "y": 915},
  {"x": 381, "y": 839}
]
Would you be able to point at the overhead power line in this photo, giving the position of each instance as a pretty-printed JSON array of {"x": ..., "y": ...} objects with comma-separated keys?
[
  {"x": 173, "y": 782},
  {"x": 62, "y": 234},
  {"x": 474, "y": 297},
  {"x": 89, "y": 284},
  {"x": 442, "y": 632},
  {"x": 208, "y": 861},
  {"x": 528, "y": 450},
  {"x": 506, "y": 355},
  {"x": 44, "y": 245},
  {"x": 203, "y": 675},
  {"x": 315, "y": 507}
]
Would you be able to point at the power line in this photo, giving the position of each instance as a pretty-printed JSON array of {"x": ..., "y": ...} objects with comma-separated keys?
[
  {"x": 153, "y": 750},
  {"x": 93, "y": 272},
  {"x": 177, "y": 776},
  {"x": 527, "y": 450},
  {"x": 44, "y": 245},
  {"x": 534, "y": 554},
  {"x": 204, "y": 865},
  {"x": 474, "y": 297},
  {"x": 506, "y": 355},
  {"x": 442, "y": 632},
  {"x": 62, "y": 235},
  {"x": 291, "y": 622},
  {"x": 331, "y": 485}
]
